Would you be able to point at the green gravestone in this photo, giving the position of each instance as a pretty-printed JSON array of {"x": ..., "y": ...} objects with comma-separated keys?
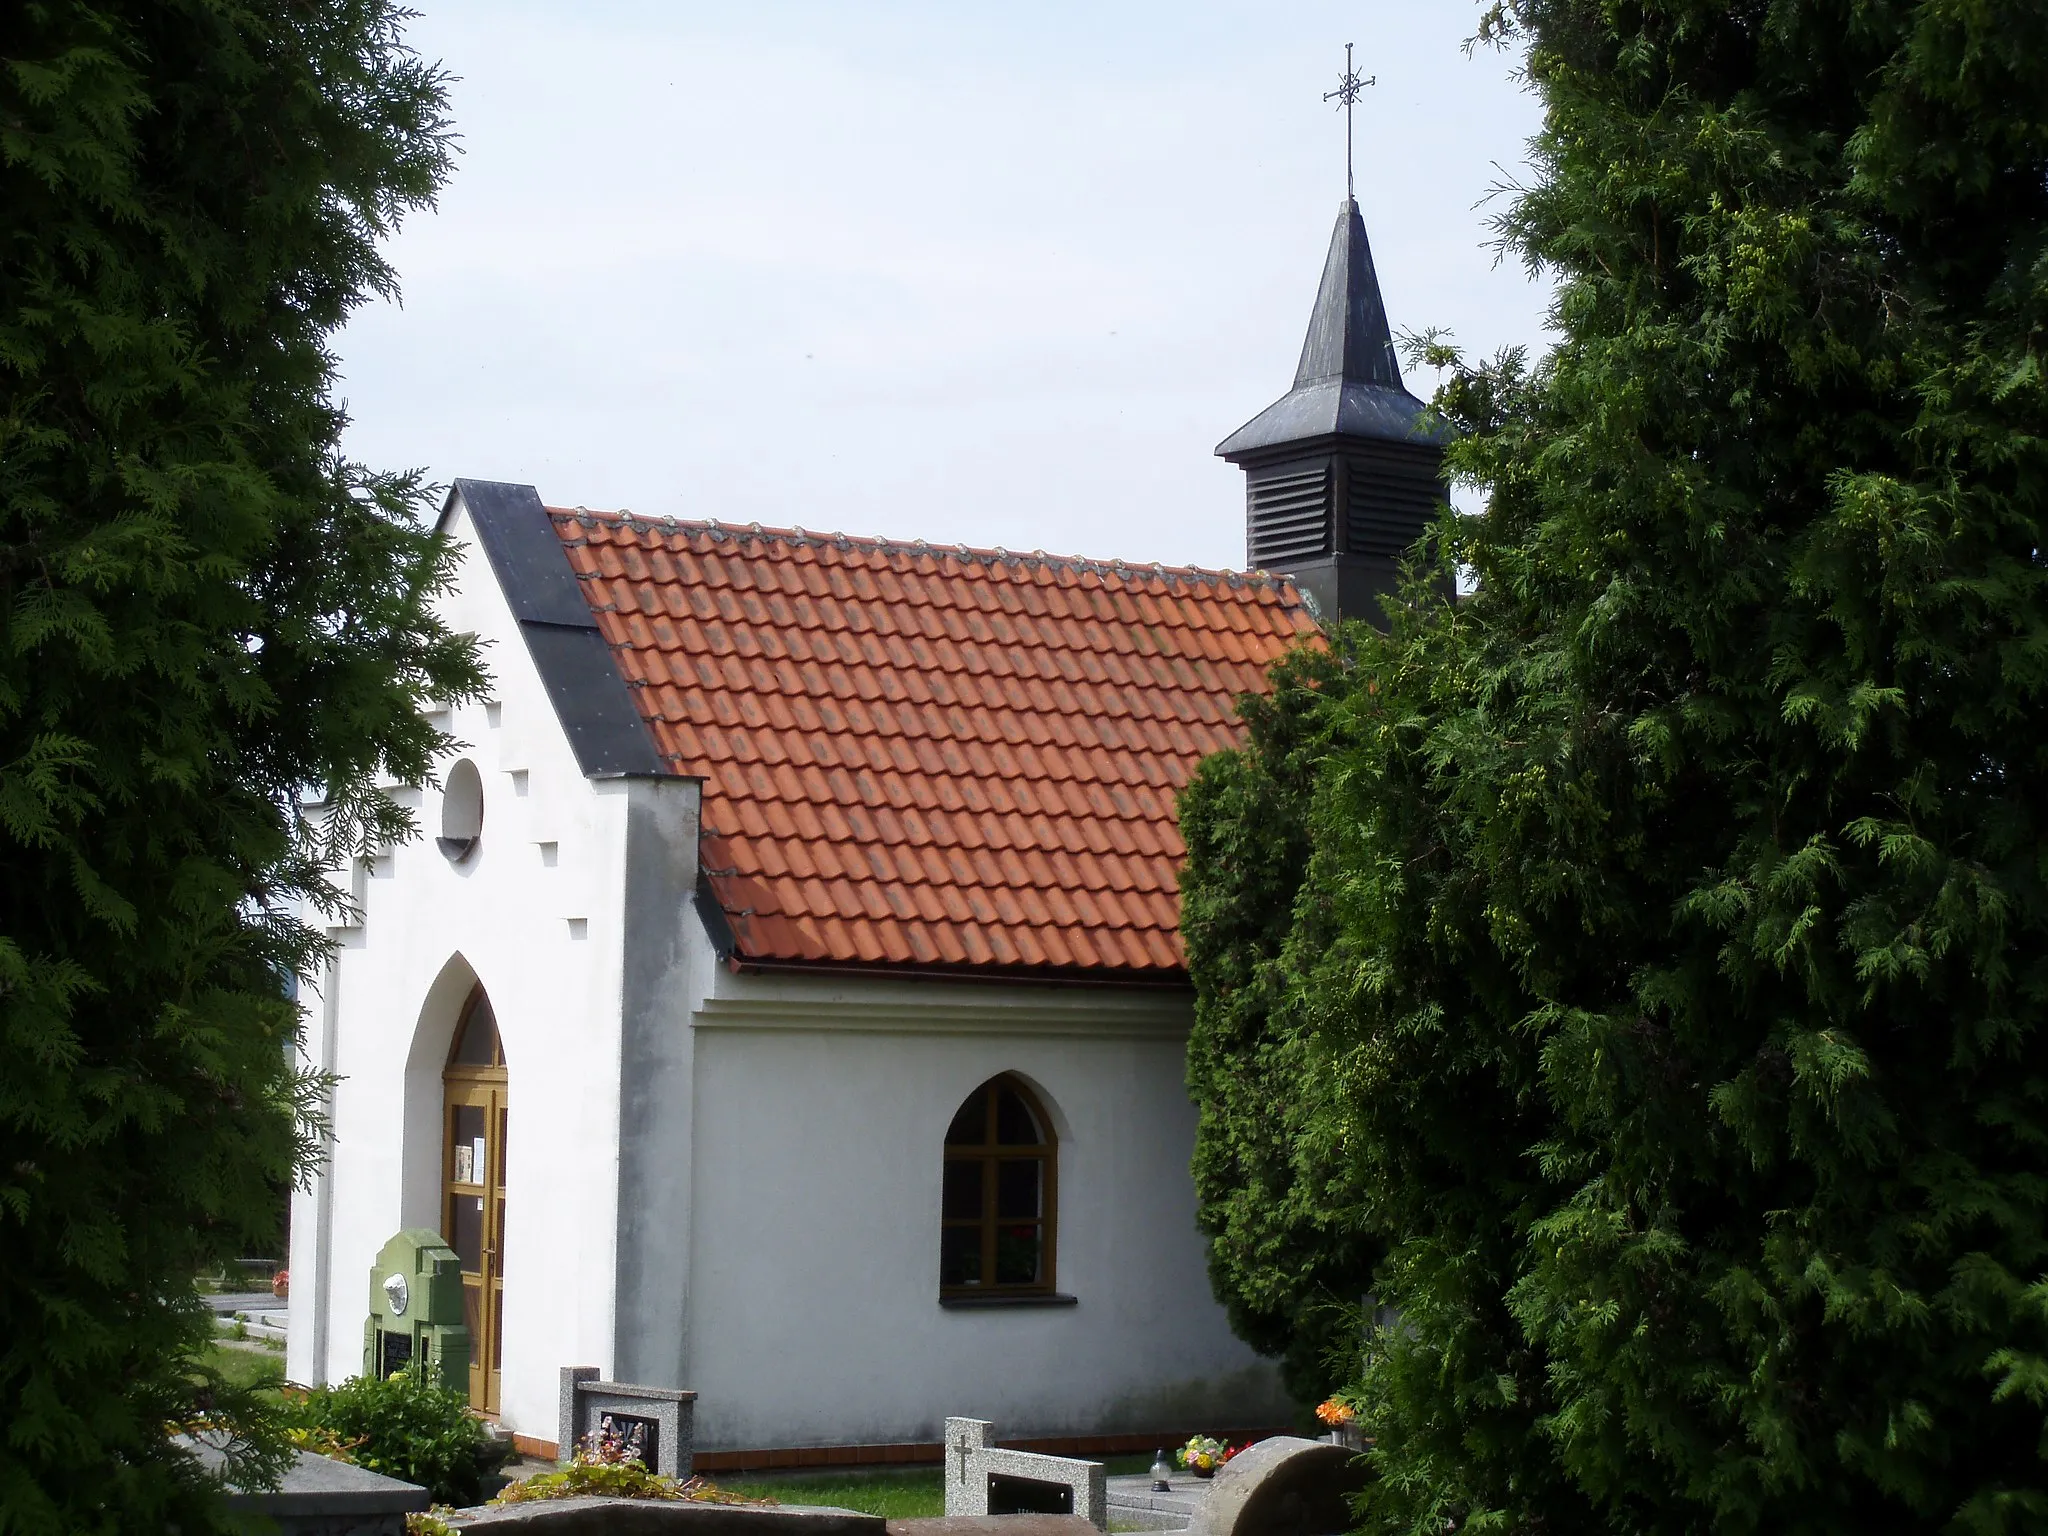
[{"x": 416, "y": 1320}]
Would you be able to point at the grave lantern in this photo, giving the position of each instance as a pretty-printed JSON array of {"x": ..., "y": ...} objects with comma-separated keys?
[{"x": 416, "y": 1315}]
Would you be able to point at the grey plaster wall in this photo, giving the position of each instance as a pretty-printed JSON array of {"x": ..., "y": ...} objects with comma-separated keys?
[{"x": 655, "y": 1080}]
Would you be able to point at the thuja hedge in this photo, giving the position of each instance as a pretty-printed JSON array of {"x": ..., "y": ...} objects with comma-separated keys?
[
  {"x": 206, "y": 613},
  {"x": 1631, "y": 977}
]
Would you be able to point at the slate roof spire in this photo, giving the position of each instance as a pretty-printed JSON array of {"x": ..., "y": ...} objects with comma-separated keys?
[
  {"x": 1348, "y": 380},
  {"x": 1343, "y": 472},
  {"x": 1348, "y": 335}
]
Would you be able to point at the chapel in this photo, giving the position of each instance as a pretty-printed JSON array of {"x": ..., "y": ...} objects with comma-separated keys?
[{"x": 787, "y": 1001}]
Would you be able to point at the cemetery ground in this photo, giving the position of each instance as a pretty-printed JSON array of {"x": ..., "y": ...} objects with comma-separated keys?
[
  {"x": 913, "y": 1493},
  {"x": 250, "y": 1364},
  {"x": 909, "y": 1493}
]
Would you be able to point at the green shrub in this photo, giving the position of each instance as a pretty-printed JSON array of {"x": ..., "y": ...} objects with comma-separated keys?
[{"x": 405, "y": 1428}]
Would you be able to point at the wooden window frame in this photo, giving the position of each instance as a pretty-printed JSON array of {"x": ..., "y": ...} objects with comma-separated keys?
[
  {"x": 494, "y": 1070},
  {"x": 479, "y": 1085},
  {"x": 989, "y": 1154}
]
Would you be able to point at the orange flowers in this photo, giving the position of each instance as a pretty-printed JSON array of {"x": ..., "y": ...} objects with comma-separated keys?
[{"x": 1336, "y": 1414}]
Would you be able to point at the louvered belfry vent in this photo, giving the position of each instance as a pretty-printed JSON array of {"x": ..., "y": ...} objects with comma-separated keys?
[
  {"x": 1342, "y": 473},
  {"x": 1393, "y": 496},
  {"x": 1289, "y": 507}
]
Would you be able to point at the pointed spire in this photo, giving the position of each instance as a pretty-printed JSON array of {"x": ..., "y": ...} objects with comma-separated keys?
[
  {"x": 1348, "y": 335},
  {"x": 1348, "y": 382}
]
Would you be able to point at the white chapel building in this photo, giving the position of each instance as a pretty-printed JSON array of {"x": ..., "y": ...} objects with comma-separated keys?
[{"x": 786, "y": 1000}]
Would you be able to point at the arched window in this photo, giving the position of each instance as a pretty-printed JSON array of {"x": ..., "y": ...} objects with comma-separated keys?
[{"x": 997, "y": 1216}]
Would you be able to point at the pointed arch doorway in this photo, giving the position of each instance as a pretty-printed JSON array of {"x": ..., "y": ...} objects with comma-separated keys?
[{"x": 473, "y": 1121}]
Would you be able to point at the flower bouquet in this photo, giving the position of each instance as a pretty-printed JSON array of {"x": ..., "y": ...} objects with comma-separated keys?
[
  {"x": 1343, "y": 1421},
  {"x": 1202, "y": 1456}
]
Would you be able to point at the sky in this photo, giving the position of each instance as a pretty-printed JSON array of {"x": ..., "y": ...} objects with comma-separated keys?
[{"x": 996, "y": 275}]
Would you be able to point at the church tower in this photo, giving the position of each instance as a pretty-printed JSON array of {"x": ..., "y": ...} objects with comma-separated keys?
[{"x": 1342, "y": 473}]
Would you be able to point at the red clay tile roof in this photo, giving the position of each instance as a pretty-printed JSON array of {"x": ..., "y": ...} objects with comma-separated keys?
[{"x": 931, "y": 757}]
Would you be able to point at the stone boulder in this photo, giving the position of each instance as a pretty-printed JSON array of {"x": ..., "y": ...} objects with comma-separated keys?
[{"x": 1283, "y": 1487}]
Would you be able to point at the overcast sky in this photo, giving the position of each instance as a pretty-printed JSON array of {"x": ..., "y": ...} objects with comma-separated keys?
[{"x": 954, "y": 271}]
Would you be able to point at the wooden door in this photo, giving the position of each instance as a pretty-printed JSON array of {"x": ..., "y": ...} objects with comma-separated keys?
[{"x": 473, "y": 1201}]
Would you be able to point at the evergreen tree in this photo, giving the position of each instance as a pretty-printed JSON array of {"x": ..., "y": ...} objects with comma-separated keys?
[
  {"x": 205, "y": 611},
  {"x": 1651, "y": 1007},
  {"x": 1290, "y": 1255}
]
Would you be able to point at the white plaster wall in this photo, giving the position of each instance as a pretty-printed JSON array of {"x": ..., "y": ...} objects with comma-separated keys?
[
  {"x": 820, "y": 1112},
  {"x": 545, "y": 940}
]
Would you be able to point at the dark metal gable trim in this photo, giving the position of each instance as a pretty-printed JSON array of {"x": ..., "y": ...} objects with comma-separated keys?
[
  {"x": 583, "y": 682},
  {"x": 717, "y": 927}
]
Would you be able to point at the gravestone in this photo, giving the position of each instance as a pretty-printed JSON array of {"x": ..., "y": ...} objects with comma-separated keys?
[
  {"x": 658, "y": 1423},
  {"x": 416, "y": 1316},
  {"x": 985, "y": 1479},
  {"x": 1283, "y": 1487}
]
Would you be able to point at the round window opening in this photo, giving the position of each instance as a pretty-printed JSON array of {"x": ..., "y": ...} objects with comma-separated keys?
[{"x": 462, "y": 811}]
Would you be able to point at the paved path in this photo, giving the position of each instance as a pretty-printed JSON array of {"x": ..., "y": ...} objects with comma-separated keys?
[
  {"x": 1135, "y": 1505},
  {"x": 243, "y": 1301},
  {"x": 260, "y": 1314}
]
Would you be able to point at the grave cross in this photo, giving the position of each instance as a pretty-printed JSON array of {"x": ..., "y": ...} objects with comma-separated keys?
[
  {"x": 1346, "y": 95},
  {"x": 962, "y": 1451}
]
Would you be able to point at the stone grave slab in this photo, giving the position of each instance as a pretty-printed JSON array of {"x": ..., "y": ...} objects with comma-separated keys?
[
  {"x": 993, "y": 1525},
  {"x": 320, "y": 1496},
  {"x": 1135, "y": 1504},
  {"x": 663, "y": 1517}
]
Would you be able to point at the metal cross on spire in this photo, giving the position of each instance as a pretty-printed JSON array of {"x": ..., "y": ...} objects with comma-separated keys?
[{"x": 1346, "y": 95}]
